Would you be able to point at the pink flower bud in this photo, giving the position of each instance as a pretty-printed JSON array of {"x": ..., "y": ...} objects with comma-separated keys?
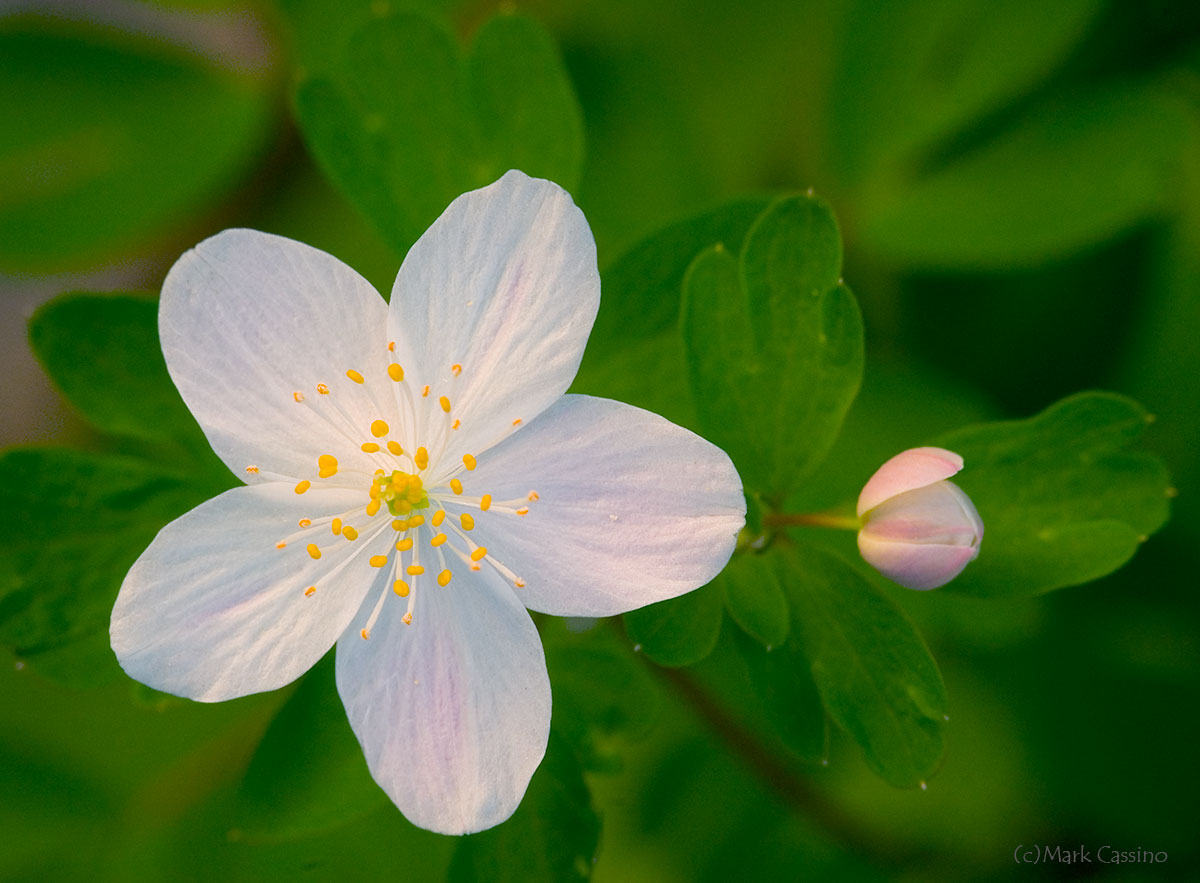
[{"x": 919, "y": 529}]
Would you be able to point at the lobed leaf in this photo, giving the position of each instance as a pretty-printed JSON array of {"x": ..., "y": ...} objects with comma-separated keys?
[{"x": 680, "y": 631}]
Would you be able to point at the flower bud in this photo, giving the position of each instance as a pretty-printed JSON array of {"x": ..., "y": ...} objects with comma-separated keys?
[{"x": 919, "y": 529}]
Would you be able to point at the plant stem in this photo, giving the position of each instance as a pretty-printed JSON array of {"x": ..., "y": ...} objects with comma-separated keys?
[{"x": 811, "y": 519}]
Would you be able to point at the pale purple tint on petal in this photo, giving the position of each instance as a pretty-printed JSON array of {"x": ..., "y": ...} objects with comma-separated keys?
[{"x": 910, "y": 469}]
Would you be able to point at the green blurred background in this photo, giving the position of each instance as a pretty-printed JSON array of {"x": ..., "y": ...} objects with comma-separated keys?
[{"x": 1018, "y": 185}]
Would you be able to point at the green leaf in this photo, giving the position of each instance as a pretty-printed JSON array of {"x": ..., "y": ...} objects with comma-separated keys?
[
  {"x": 947, "y": 65},
  {"x": 553, "y": 835},
  {"x": 680, "y": 631},
  {"x": 755, "y": 599},
  {"x": 308, "y": 774},
  {"x": 872, "y": 669},
  {"x": 1063, "y": 500},
  {"x": 80, "y": 520},
  {"x": 403, "y": 123},
  {"x": 1070, "y": 175},
  {"x": 117, "y": 379},
  {"x": 121, "y": 141},
  {"x": 602, "y": 694},
  {"x": 774, "y": 344}
]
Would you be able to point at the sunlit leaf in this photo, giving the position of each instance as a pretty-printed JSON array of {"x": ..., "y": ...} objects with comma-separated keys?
[
  {"x": 1063, "y": 499},
  {"x": 774, "y": 344},
  {"x": 755, "y": 600}
]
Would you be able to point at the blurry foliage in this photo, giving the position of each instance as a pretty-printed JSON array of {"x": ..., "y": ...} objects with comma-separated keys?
[{"x": 1016, "y": 189}]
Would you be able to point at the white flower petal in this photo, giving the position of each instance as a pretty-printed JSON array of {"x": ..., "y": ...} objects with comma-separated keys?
[
  {"x": 453, "y": 711},
  {"x": 631, "y": 508},
  {"x": 246, "y": 320},
  {"x": 505, "y": 285},
  {"x": 213, "y": 610}
]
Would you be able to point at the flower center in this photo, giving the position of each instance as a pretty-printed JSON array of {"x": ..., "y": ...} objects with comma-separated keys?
[{"x": 424, "y": 526}]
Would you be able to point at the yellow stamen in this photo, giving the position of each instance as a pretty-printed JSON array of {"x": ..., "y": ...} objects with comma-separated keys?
[
  {"x": 444, "y": 578},
  {"x": 369, "y": 447},
  {"x": 336, "y": 526},
  {"x": 456, "y": 369},
  {"x": 373, "y": 507},
  {"x": 354, "y": 375},
  {"x": 305, "y": 522},
  {"x": 404, "y": 545},
  {"x": 437, "y": 539},
  {"x": 519, "y": 583},
  {"x": 406, "y": 619},
  {"x": 445, "y": 403},
  {"x": 391, "y": 346},
  {"x": 298, "y": 396},
  {"x": 438, "y": 517},
  {"x": 281, "y": 545},
  {"x": 456, "y": 485},
  {"x": 323, "y": 389},
  {"x": 303, "y": 486},
  {"x": 378, "y": 428},
  {"x": 485, "y": 502},
  {"x": 469, "y": 462},
  {"x": 366, "y": 635},
  {"x": 425, "y": 392},
  {"x": 378, "y": 560},
  {"x": 253, "y": 470},
  {"x": 467, "y": 521},
  {"x": 415, "y": 569},
  {"x": 327, "y": 465},
  {"x": 395, "y": 372},
  {"x": 395, "y": 448},
  {"x": 533, "y": 495},
  {"x": 517, "y": 422},
  {"x": 350, "y": 533},
  {"x": 400, "y": 587},
  {"x": 416, "y": 521},
  {"x": 456, "y": 424},
  {"x": 310, "y": 591},
  {"x": 399, "y": 524},
  {"x": 313, "y": 551},
  {"x": 422, "y": 458},
  {"x": 524, "y": 510},
  {"x": 479, "y": 553}
]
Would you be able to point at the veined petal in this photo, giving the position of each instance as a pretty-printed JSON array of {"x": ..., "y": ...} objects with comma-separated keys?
[
  {"x": 453, "y": 711},
  {"x": 248, "y": 319},
  {"x": 213, "y": 610},
  {"x": 504, "y": 285},
  {"x": 630, "y": 508},
  {"x": 907, "y": 471}
]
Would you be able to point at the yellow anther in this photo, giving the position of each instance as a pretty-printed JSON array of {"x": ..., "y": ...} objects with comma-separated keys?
[
  {"x": 305, "y": 522},
  {"x": 479, "y": 553},
  {"x": 395, "y": 448},
  {"x": 395, "y": 372},
  {"x": 524, "y": 510},
  {"x": 350, "y": 533},
  {"x": 404, "y": 545},
  {"x": 456, "y": 424},
  {"x": 253, "y": 470},
  {"x": 445, "y": 403},
  {"x": 533, "y": 495},
  {"x": 437, "y": 539},
  {"x": 444, "y": 578},
  {"x": 414, "y": 569},
  {"x": 425, "y": 392},
  {"x": 519, "y": 583},
  {"x": 469, "y": 462},
  {"x": 369, "y": 447},
  {"x": 416, "y": 521},
  {"x": 391, "y": 346},
  {"x": 456, "y": 369},
  {"x": 485, "y": 502},
  {"x": 323, "y": 389},
  {"x": 378, "y": 560},
  {"x": 438, "y": 517},
  {"x": 378, "y": 428},
  {"x": 313, "y": 551},
  {"x": 406, "y": 619},
  {"x": 517, "y": 422},
  {"x": 310, "y": 591},
  {"x": 336, "y": 526},
  {"x": 399, "y": 524},
  {"x": 366, "y": 635},
  {"x": 303, "y": 486},
  {"x": 373, "y": 507},
  {"x": 327, "y": 465},
  {"x": 281, "y": 545},
  {"x": 298, "y": 396},
  {"x": 466, "y": 521},
  {"x": 456, "y": 485},
  {"x": 354, "y": 375},
  {"x": 400, "y": 587},
  {"x": 422, "y": 458}
]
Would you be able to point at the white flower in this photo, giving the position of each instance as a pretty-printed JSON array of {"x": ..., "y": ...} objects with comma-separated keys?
[{"x": 416, "y": 478}]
